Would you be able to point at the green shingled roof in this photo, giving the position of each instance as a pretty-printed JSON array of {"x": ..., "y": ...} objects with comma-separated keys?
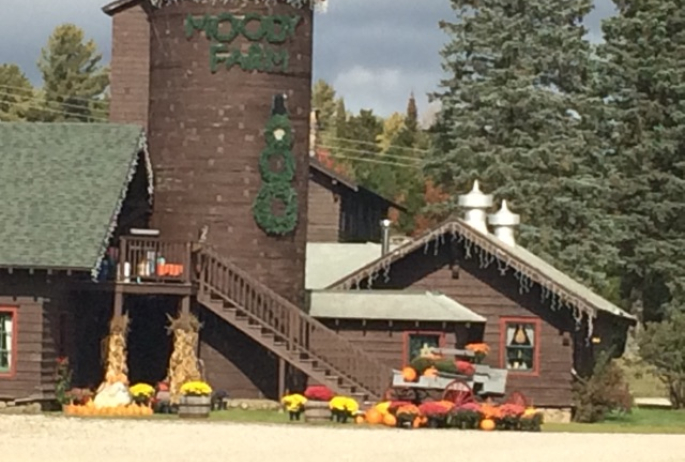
[{"x": 61, "y": 187}]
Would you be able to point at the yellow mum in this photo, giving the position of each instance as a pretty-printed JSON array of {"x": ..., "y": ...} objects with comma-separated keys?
[
  {"x": 343, "y": 403},
  {"x": 142, "y": 389},
  {"x": 196, "y": 388},
  {"x": 294, "y": 402},
  {"x": 383, "y": 408}
]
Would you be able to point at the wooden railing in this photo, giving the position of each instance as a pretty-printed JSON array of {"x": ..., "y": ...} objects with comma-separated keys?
[
  {"x": 301, "y": 333},
  {"x": 153, "y": 260}
]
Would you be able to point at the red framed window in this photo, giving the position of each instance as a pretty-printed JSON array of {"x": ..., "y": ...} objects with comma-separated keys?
[
  {"x": 416, "y": 341},
  {"x": 8, "y": 341},
  {"x": 520, "y": 345}
]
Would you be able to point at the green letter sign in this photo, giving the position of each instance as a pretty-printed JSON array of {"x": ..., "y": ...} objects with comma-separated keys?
[{"x": 226, "y": 27}]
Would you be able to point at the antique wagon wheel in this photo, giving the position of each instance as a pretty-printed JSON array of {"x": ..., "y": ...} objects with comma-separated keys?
[
  {"x": 518, "y": 398},
  {"x": 401, "y": 394},
  {"x": 458, "y": 392}
]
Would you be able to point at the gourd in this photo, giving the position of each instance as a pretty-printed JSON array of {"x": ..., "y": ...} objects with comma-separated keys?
[
  {"x": 389, "y": 420},
  {"x": 487, "y": 425},
  {"x": 359, "y": 419},
  {"x": 409, "y": 374},
  {"x": 416, "y": 423},
  {"x": 430, "y": 372}
]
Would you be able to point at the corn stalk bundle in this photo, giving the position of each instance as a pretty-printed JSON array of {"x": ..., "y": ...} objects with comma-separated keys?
[
  {"x": 114, "y": 351},
  {"x": 183, "y": 364}
]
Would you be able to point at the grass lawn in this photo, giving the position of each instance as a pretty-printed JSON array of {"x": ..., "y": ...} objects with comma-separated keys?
[{"x": 639, "y": 421}]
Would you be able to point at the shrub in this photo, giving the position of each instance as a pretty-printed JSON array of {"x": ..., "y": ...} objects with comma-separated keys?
[
  {"x": 605, "y": 391},
  {"x": 662, "y": 345}
]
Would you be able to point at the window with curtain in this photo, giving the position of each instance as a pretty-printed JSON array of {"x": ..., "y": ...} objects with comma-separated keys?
[
  {"x": 417, "y": 341},
  {"x": 521, "y": 345},
  {"x": 6, "y": 335}
]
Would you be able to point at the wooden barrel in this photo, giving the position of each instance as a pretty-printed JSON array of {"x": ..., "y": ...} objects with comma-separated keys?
[
  {"x": 194, "y": 407},
  {"x": 317, "y": 411}
]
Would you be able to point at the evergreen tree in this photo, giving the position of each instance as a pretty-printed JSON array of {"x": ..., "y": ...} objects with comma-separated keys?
[
  {"x": 641, "y": 75},
  {"x": 516, "y": 114},
  {"x": 323, "y": 100},
  {"x": 16, "y": 94},
  {"x": 74, "y": 82}
]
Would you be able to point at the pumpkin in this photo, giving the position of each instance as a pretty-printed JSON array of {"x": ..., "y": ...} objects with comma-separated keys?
[
  {"x": 359, "y": 419},
  {"x": 409, "y": 374},
  {"x": 430, "y": 372},
  {"x": 389, "y": 420},
  {"x": 373, "y": 416},
  {"x": 416, "y": 423},
  {"x": 487, "y": 425}
]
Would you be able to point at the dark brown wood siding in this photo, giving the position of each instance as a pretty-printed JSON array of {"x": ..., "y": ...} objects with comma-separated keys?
[
  {"x": 42, "y": 304},
  {"x": 360, "y": 216},
  {"x": 234, "y": 362},
  {"x": 495, "y": 296},
  {"x": 323, "y": 217},
  {"x": 130, "y": 76}
]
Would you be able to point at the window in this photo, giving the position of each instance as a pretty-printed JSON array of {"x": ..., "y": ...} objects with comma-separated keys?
[
  {"x": 520, "y": 344},
  {"x": 8, "y": 335},
  {"x": 414, "y": 342}
]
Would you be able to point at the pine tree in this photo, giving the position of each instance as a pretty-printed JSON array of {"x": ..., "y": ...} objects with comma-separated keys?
[
  {"x": 323, "y": 100},
  {"x": 16, "y": 94},
  {"x": 74, "y": 82},
  {"x": 516, "y": 115},
  {"x": 641, "y": 74}
]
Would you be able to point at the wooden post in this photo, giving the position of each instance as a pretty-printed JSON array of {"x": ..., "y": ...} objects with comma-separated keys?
[
  {"x": 185, "y": 305},
  {"x": 281, "y": 377},
  {"x": 118, "y": 300}
]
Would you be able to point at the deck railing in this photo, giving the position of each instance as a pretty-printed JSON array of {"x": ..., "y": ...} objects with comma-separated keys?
[{"x": 152, "y": 260}]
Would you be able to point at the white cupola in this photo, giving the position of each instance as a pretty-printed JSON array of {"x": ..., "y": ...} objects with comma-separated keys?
[
  {"x": 475, "y": 204},
  {"x": 504, "y": 222}
]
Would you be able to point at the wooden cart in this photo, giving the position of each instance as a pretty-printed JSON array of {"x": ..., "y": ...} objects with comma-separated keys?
[{"x": 459, "y": 389}]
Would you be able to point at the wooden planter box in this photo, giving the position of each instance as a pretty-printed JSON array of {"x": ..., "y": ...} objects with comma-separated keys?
[
  {"x": 194, "y": 407},
  {"x": 317, "y": 411}
]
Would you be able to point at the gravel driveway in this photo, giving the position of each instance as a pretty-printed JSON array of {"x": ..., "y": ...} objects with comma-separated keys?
[{"x": 55, "y": 439}]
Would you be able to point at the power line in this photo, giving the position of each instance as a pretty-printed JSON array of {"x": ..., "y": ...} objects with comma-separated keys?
[
  {"x": 373, "y": 161},
  {"x": 371, "y": 153},
  {"x": 39, "y": 100},
  {"x": 64, "y": 113},
  {"x": 424, "y": 151},
  {"x": 77, "y": 98}
]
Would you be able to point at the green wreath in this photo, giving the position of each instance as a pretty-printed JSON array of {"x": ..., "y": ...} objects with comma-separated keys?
[
  {"x": 285, "y": 175},
  {"x": 263, "y": 215},
  {"x": 275, "y": 122}
]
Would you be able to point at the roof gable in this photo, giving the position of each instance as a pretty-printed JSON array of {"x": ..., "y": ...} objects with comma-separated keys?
[
  {"x": 570, "y": 292},
  {"x": 62, "y": 186}
]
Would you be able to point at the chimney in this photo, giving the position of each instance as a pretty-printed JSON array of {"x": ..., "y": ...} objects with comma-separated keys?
[
  {"x": 385, "y": 236},
  {"x": 504, "y": 222},
  {"x": 476, "y": 203}
]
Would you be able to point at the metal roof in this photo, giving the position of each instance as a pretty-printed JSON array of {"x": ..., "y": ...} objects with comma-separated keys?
[
  {"x": 390, "y": 305},
  {"x": 328, "y": 262}
]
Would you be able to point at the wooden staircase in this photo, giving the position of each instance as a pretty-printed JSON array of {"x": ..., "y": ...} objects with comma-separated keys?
[{"x": 287, "y": 331}]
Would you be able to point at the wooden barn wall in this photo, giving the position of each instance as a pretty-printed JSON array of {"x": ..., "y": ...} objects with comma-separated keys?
[
  {"x": 234, "y": 362},
  {"x": 42, "y": 303},
  {"x": 386, "y": 342},
  {"x": 323, "y": 217},
  {"x": 130, "y": 76},
  {"x": 490, "y": 294}
]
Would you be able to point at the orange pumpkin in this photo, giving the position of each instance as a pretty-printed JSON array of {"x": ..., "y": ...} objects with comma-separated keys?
[
  {"x": 389, "y": 420},
  {"x": 430, "y": 372},
  {"x": 373, "y": 416},
  {"x": 359, "y": 419},
  {"x": 416, "y": 423},
  {"x": 409, "y": 374},
  {"x": 487, "y": 425}
]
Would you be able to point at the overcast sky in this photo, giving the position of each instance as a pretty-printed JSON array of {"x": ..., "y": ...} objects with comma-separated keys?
[{"x": 374, "y": 52}]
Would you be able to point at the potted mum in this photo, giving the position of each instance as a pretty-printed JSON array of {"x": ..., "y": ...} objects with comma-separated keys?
[
  {"x": 196, "y": 400},
  {"x": 294, "y": 404},
  {"x": 480, "y": 351},
  {"x": 142, "y": 394},
  {"x": 317, "y": 409},
  {"x": 342, "y": 408}
]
